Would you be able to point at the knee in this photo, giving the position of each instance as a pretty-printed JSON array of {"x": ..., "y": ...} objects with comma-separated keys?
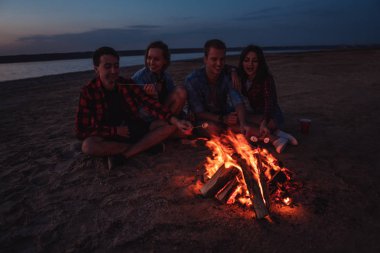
[{"x": 88, "y": 146}]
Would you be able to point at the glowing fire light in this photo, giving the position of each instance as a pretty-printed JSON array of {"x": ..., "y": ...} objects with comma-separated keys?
[
  {"x": 287, "y": 201},
  {"x": 259, "y": 160}
]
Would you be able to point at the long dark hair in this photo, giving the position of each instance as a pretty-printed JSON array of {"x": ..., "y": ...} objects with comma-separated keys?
[
  {"x": 165, "y": 51},
  {"x": 262, "y": 70}
]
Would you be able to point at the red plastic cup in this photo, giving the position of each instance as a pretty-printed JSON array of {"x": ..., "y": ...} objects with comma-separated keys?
[{"x": 305, "y": 125}]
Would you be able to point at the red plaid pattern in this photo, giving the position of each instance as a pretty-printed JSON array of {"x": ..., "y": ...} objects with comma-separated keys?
[{"x": 92, "y": 107}]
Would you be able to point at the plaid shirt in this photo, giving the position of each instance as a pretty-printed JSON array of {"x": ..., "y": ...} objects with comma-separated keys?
[
  {"x": 262, "y": 97},
  {"x": 90, "y": 118},
  {"x": 144, "y": 76}
]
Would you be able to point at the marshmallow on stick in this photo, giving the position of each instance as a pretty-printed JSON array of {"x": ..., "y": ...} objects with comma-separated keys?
[
  {"x": 204, "y": 125},
  {"x": 256, "y": 139}
]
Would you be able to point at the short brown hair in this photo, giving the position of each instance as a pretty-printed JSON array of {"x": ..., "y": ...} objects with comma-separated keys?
[
  {"x": 103, "y": 51},
  {"x": 215, "y": 43}
]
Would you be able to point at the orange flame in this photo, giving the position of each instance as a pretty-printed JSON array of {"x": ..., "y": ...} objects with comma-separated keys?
[
  {"x": 287, "y": 201},
  {"x": 259, "y": 160}
]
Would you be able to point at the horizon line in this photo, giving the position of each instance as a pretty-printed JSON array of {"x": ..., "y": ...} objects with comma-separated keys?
[{"x": 88, "y": 54}]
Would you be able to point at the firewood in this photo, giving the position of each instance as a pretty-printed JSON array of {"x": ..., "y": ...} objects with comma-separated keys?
[
  {"x": 224, "y": 194},
  {"x": 278, "y": 178},
  {"x": 259, "y": 205},
  {"x": 218, "y": 180},
  {"x": 263, "y": 180}
]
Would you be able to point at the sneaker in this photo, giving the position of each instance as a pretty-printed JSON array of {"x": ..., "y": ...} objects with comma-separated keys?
[
  {"x": 157, "y": 149},
  {"x": 115, "y": 161},
  {"x": 290, "y": 137},
  {"x": 280, "y": 144}
]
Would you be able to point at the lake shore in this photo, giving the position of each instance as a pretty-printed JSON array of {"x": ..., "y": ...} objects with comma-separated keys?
[{"x": 55, "y": 199}]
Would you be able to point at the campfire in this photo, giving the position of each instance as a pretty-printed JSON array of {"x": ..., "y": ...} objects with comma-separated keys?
[{"x": 240, "y": 171}]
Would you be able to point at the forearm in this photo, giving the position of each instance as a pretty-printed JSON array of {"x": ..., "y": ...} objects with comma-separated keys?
[
  {"x": 206, "y": 116},
  {"x": 241, "y": 114},
  {"x": 152, "y": 106}
]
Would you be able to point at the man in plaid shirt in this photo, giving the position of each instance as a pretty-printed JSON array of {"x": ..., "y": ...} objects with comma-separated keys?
[{"x": 107, "y": 118}]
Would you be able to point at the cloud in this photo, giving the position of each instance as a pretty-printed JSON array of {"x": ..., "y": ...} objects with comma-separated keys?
[
  {"x": 147, "y": 27},
  {"x": 134, "y": 37},
  {"x": 260, "y": 14}
]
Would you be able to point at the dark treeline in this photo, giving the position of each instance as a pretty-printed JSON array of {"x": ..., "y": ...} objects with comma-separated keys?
[
  {"x": 80, "y": 55},
  {"x": 87, "y": 55}
]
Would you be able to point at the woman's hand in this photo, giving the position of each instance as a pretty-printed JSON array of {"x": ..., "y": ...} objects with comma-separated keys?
[
  {"x": 150, "y": 89},
  {"x": 236, "y": 84}
]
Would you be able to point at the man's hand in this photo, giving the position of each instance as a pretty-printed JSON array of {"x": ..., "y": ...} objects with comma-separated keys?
[
  {"x": 183, "y": 125},
  {"x": 123, "y": 131}
]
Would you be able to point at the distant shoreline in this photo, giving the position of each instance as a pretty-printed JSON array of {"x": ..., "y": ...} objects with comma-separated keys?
[{"x": 86, "y": 55}]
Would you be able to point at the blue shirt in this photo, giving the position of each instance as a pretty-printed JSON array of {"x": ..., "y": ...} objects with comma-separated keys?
[
  {"x": 203, "y": 98},
  {"x": 144, "y": 75}
]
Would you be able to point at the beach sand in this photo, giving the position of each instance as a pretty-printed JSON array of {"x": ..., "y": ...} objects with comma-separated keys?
[{"x": 55, "y": 199}]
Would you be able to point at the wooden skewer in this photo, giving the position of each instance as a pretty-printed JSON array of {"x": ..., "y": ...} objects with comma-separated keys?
[
  {"x": 203, "y": 125},
  {"x": 126, "y": 84}
]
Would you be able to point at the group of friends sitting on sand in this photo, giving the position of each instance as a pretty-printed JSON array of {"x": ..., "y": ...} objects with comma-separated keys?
[{"x": 119, "y": 117}]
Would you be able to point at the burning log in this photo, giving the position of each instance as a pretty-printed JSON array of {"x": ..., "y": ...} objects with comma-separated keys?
[
  {"x": 278, "y": 178},
  {"x": 243, "y": 172},
  {"x": 219, "y": 180},
  {"x": 258, "y": 196},
  {"x": 262, "y": 178},
  {"x": 225, "y": 194}
]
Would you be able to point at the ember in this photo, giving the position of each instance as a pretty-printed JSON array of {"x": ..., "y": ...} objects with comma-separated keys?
[{"x": 242, "y": 172}]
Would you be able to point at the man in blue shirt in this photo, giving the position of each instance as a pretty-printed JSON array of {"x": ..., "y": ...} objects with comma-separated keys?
[
  {"x": 213, "y": 100},
  {"x": 211, "y": 96}
]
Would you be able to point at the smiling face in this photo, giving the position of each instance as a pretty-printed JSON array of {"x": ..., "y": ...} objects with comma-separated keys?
[
  {"x": 108, "y": 70},
  {"x": 155, "y": 60},
  {"x": 250, "y": 64},
  {"x": 214, "y": 62}
]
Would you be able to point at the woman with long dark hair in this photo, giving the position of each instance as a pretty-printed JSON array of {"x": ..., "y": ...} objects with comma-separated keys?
[{"x": 259, "y": 91}]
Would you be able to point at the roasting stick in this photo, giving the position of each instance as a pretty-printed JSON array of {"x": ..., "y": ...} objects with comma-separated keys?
[
  {"x": 203, "y": 125},
  {"x": 129, "y": 84},
  {"x": 141, "y": 85},
  {"x": 195, "y": 141}
]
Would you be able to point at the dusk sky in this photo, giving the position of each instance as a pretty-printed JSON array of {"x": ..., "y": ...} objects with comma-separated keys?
[{"x": 49, "y": 26}]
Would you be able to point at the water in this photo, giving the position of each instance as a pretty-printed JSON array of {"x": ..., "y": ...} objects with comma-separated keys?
[{"x": 21, "y": 70}]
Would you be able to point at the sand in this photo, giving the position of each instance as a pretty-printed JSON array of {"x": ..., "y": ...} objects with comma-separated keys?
[{"x": 56, "y": 199}]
